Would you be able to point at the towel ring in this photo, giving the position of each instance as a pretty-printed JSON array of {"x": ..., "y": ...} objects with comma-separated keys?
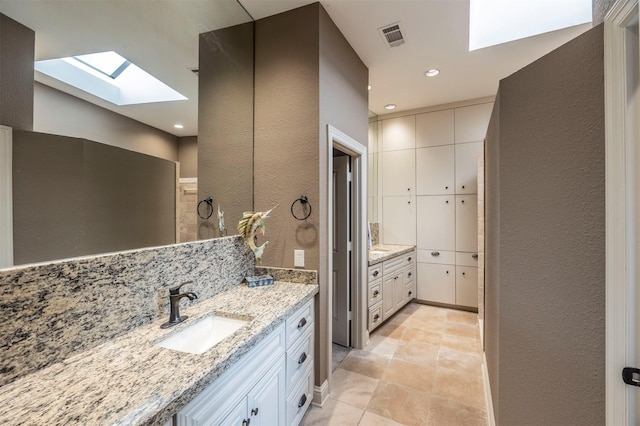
[
  {"x": 209, "y": 202},
  {"x": 304, "y": 201}
]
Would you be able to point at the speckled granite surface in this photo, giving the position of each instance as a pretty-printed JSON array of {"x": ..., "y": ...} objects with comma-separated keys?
[
  {"x": 52, "y": 311},
  {"x": 375, "y": 233},
  {"x": 380, "y": 253},
  {"x": 128, "y": 381},
  {"x": 291, "y": 275}
]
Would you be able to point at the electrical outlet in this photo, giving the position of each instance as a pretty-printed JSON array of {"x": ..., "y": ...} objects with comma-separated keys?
[{"x": 298, "y": 258}]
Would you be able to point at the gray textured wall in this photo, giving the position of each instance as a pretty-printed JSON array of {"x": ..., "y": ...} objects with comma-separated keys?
[
  {"x": 74, "y": 197},
  {"x": 545, "y": 317},
  {"x": 188, "y": 156},
  {"x": 599, "y": 9},
  {"x": 301, "y": 87},
  {"x": 58, "y": 113},
  {"x": 17, "y": 47},
  {"x": 225, "y": 125}
]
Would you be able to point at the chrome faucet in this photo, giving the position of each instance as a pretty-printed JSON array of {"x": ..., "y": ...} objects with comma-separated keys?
[{"x": 174, "y": 301}]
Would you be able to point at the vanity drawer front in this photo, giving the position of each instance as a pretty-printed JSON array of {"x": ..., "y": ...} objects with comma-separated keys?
[
  {"x": 299, "y": 358},
  {"x": 299, "y": 400},
  {"x": 375, "y": 272},
  {"x": 375, "y": 292},
  {"x": 375, "y": 316},
  {"x": 399, "y": 262},
  {"x": 299, "y": 323}
]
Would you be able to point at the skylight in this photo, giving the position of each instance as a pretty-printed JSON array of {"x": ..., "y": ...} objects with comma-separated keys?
[
  {"x": 110, "y": 77},
  {"x": 494, "y": 22}
]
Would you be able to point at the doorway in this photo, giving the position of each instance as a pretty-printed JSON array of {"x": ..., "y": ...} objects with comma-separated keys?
[
  {"x": 342, "y": 257},
  {"x": 622, "y": 176}
]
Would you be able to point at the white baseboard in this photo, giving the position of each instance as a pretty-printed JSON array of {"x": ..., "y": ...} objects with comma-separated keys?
[
  {"x": 320, "y": 394},
  {"x": 491, "y": 419}
]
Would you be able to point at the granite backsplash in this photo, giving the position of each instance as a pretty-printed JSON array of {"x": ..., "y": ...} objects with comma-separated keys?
[{"x": 52, "y": 311}]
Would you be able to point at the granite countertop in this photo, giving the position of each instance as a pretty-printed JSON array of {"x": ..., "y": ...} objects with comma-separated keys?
[
  {"x": 380, "y": 253},
  {"x": 129, "y": 381}
]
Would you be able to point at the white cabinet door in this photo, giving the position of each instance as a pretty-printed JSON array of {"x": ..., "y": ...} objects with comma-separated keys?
[
  {"x": 467, "y": 286},
  {"x": 467, "y": 223},
  {"x": 388, "y": 290},
  {"x": 436, "y": 222},
  {"x": 471, "y": 122},
  {"x": 399, "y": 172},
  {"x": 436, "y": 283},
  {"x": 434, "y": 128},
  {"x": 399, "y": 220},
  {"x": 467, "y": 167},
  {"x": 398, "y": 291},
  {"x": 434, "y": 170},
  {"x": 399, "y": 133},
  {"x": 267, "y": 399},
  {"x": 237, "y": 417}
]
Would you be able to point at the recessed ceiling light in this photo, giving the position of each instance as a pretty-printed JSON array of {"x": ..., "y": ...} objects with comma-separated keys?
[
  {"x": 369, "y": 87},
  {"x": 390, "y": 106},
  {"x": 178, "y": 126},
  {"x": 432, "y": 72}
]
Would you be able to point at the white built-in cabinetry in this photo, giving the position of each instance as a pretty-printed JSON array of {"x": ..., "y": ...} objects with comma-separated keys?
[
  {"x": 428, "y": 176},
  {"x": 271, "y": 385},
  {"x": 392, "y": 285}
]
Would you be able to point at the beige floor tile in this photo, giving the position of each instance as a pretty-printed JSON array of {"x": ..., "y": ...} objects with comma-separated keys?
[
  {"x": 410, "y": 308},
  {"x": 461, "y": 344},
  {"x": 462, "y": 387},
  {"x": 416, "y": 376},
  {"x": 383, "y": 346},
  {"x": 418, "y": 352},
  {"x": 333, "y": 413},
  {"x": 390, "y": 329},
  {"x": 468, "y": 363},
  {"x": 399, "y": 318},
  {"x": 463, "y": 317},
  {"x": 461, "y": 329},
  {"x": 371, "y": 419},
  {"x": 402, "y": 404},
  {"x": 429, "y": 335},
  {"x": 366, "y": 363},
  {"x": 445, "y": 412},
  {"x": 352, "y": 388}
]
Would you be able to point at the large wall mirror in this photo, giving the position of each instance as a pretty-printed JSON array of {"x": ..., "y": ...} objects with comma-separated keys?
[{"x": 213, "y": 147}]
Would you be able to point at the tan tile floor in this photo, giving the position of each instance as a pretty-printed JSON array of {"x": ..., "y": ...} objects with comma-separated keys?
[{"x": 422, "y": 367}]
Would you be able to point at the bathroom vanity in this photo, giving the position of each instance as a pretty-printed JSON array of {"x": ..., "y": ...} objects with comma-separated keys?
[{"x": 391, "y": 281}]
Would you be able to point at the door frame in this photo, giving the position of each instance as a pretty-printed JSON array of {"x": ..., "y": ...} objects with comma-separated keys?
[
  {"x": 6, "y": 197},
  {"x": 619, "y": 168},
  {"x": 358, "y": 152}
]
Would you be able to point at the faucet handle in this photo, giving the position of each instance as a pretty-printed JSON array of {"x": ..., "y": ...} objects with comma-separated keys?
[{"x": 176, "y": 290}]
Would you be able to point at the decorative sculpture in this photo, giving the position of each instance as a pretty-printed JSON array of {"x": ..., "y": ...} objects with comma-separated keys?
[{"x": 249, "y": 225}]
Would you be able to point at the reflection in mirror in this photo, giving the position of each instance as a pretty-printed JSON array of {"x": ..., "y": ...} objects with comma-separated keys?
[
  {"x": 372, "y": 178},
  {"x": 161, "y": 37}
]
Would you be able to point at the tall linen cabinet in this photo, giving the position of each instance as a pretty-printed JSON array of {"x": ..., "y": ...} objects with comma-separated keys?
[{"x": 428, "y": 176}]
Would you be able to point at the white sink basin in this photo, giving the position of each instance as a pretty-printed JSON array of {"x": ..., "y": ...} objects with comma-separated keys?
[{"x": 202, "y": 335}]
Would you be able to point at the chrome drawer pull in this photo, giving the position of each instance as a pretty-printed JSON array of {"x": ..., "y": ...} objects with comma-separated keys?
[
  {"x": 474, "y": 255},
  {"x": 302, "y": 323},
  {"x": 302, "y": 401},
  {"x": 376, "y": 317},
  {"x": 376, "y": 293},
  {"x": 409, "y": 274},
  {"x": 435, "y": 253},
  {"x": 302, "y": 358},
  {"x": 254, "y": 411},
  {"x": 375, "y": 273}
]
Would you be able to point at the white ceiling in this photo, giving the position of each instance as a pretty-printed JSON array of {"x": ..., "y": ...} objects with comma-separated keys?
[{"x": 161, "y": 36}]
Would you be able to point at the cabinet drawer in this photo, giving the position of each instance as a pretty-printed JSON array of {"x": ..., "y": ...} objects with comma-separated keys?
[
  {"x": 375, "y": 316},
  {"x": 299, "y": 323},
  {"x": 466, "y": 259},
  {"x": 410, "y": 291},
  {"x": 442, "y": 257},
  {"x": 392, "y": 265},
  {"x": 409, "y": 273},
  {"x": 467, "y": 286},
  {"x": 375, "y": 292},
  {"x": 375, "y": 272},
  {"x": 299, "y": 400},
  {"x": 299, "y": 358}
]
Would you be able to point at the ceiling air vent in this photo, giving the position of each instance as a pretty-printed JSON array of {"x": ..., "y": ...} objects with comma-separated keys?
[{"x": 392, "y": 35}]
